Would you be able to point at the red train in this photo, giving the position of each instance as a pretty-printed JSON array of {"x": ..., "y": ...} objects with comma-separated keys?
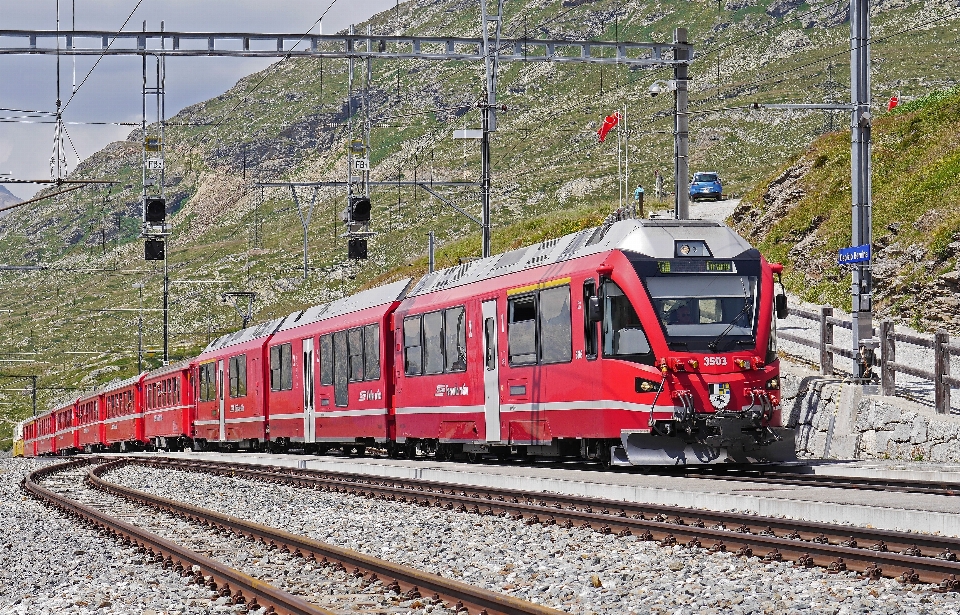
[{"x": 635, "y": 343}]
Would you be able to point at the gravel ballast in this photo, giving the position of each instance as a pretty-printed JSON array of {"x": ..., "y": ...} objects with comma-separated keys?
[
  {"x": 50, "y": 565},
  {"x": 578, "y": 571}
]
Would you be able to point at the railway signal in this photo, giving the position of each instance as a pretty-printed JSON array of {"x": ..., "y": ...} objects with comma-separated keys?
[{"x": 155, "y": 210}]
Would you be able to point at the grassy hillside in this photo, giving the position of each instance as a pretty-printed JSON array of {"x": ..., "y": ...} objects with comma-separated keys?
[
  {"x": 801, "y": 214},
  {"x": 290, "y": 122}
]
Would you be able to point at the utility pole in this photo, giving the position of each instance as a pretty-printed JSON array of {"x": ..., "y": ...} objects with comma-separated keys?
[
  {"x": 864, "y": 343},
  {"x": 489, "y": 113},
  {"x": 139, "y": 287},
  {"x": 681, "y": 127}
]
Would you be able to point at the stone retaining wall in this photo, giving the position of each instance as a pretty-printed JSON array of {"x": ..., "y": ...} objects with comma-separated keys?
[{"x": 833, "y": 420}]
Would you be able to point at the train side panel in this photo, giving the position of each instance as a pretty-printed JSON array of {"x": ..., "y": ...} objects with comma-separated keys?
[
  {"x": 336, "y": 388},
  {"x": 168, "y": 406},
  {"x": 123, "y": 414}
]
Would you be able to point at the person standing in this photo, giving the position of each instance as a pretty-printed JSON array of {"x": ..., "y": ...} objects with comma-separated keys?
[
  {"x": 638, "y": 197},
  {"x": 658, "y": 180}
]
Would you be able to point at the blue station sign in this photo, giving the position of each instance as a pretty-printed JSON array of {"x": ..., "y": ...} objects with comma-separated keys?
[{"x": 854, "y": 254}]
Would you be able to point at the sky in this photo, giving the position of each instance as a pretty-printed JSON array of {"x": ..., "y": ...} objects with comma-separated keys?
[{"x": 112, "y": 91}]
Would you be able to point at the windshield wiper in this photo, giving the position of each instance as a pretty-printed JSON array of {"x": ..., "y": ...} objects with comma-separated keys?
[{"x": 713, "y": 345}]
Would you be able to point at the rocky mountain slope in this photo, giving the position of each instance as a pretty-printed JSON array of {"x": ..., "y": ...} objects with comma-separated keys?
[
  {"x": 801, "y": 215},
  {"x": 290, "y": 122}
]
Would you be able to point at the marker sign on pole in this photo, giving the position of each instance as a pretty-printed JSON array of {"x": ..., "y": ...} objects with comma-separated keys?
[{"x": 854, "y": 254}]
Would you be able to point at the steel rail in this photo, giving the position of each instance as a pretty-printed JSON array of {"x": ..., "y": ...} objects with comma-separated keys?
[
  {"x": 922, "y": 557},
  {"x": 789, "y": 477},
  {"x": 404, "y": 578},
  {"x": 229, "y": 582}
]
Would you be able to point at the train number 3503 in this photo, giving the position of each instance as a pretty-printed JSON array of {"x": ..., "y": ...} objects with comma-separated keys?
[{"x": 714, "y": 360}]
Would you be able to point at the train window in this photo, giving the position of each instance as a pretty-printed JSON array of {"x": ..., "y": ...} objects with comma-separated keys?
[
  {"x": 281, "y": 367},
  {"x": 355, "y": 347},
  {"x": 556, "y": 343},
  {"x": 371, "y": 352},
  {"x": 341, "y": 369},
  {"x": 238, "y": 376},
  {"x": 589, "y": 328},
  {"x": 522, "y": 332},
  {"x": 490, "y": 334},
  {"x": 455, "y": 340},
  {"x": 412, "y": 354},
  {"x": 207, "y": 382},
  {"x": 433, "y": 343},
  {"x": 623, "y": 335},
  {"x": 326, "y": 359}
]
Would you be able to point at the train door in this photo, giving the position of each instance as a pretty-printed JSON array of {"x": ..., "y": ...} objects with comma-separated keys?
[
  {"x": 309, "y": 419},
  {"x": 491, "y": 371},
  {"x": 221, "y": 401}
]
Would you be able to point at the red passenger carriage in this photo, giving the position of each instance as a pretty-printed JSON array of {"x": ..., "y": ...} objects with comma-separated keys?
[
  {"x": 123, "y": 415},
  {"x": 168, "y": 406},
  {"x": 328, "y": 382},
  {"x": 230, "y": 389},
  {"x": 65, "y": 430},
  {"x": 89, "y": 420}
]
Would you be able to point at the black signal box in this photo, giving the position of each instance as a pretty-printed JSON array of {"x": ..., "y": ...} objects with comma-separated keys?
[
  {"x": 153, "y": 250},
  {"x": 359, "y": 209},
  {"x": 155, "y": 210},
  {"x": 357, "y": 249}
]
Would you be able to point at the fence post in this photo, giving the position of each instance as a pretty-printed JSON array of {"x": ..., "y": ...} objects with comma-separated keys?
[
  {"x": 941, "y": 367},
  {"x": 888, "y": 354},
  {"x": 826, "y": 339}
]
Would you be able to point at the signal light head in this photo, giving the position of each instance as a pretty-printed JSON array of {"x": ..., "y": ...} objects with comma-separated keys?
[
  {"x": 155, "y": 210},
  {"x": 359, "y": 209}
]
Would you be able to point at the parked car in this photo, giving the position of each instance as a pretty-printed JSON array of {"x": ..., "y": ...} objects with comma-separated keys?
[{"x": 706, "y": 185}]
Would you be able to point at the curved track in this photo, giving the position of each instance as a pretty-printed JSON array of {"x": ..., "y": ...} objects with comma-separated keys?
[
  {"x": 404, "y": 581},
  {"x": 910, "y": 557}
]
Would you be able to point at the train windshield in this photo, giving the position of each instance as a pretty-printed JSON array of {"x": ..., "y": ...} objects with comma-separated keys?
[{"x": 714, "y": 313}]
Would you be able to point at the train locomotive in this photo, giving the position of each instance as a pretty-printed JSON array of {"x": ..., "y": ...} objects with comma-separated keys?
[{"x": 639, "y": 342}]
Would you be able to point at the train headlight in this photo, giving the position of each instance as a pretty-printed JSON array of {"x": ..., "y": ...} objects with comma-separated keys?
[{"x": 773, "y": 384}]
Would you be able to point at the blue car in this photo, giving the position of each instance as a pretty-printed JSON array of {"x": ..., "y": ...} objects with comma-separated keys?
[{"x": 706, "y": 185}]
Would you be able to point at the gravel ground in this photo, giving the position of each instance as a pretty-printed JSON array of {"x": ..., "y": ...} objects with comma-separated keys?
[
  {"x": 50, "y": 565},
  {"x": 325, "y": 586},
  {"x": 578, "y": 571}
]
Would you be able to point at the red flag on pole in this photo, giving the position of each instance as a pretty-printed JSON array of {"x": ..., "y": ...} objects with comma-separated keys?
[
  {"x": 894, "y": 101},
  {"x": 608, "y": 123}
]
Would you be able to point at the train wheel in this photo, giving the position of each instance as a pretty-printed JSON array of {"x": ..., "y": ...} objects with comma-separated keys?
[
  {"x": 473, "y": 457},
  {"x": 361, "y": 451}
]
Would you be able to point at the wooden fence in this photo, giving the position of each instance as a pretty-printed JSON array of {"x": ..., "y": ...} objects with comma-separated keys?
[{"x": 939, "y": 342}]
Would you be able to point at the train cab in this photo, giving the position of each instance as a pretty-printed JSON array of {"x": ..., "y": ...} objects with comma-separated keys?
[
  {"x": 229, "y": 382},
  {"x": 168, "y": 406},
  {"x": 123, "y": 415},
  {"x": 636, "y": 343},
  {"x": 328, "y": 381},
  {"x": 89, "y": 422},
  {"x": 18, "y": 441}
]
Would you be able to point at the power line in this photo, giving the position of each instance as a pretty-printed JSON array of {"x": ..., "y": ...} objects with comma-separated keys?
[{"x": 84, "y": 80}]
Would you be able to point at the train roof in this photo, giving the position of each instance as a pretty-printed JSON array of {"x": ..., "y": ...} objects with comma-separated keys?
[
  {"x": 654, "y": 238},
  {"x": 245, "y": 335},
  {"x": 115, "y": 385},
  {"x": 381, "y": 295},
  {"x": 168, "y": 369}
]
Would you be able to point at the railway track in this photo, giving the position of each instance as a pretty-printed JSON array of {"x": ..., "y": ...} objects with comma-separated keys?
[
  {"x": 788, "y": 475},
  {"x": 910, "y": 557},
  {"x": 194, "y": 541}
]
